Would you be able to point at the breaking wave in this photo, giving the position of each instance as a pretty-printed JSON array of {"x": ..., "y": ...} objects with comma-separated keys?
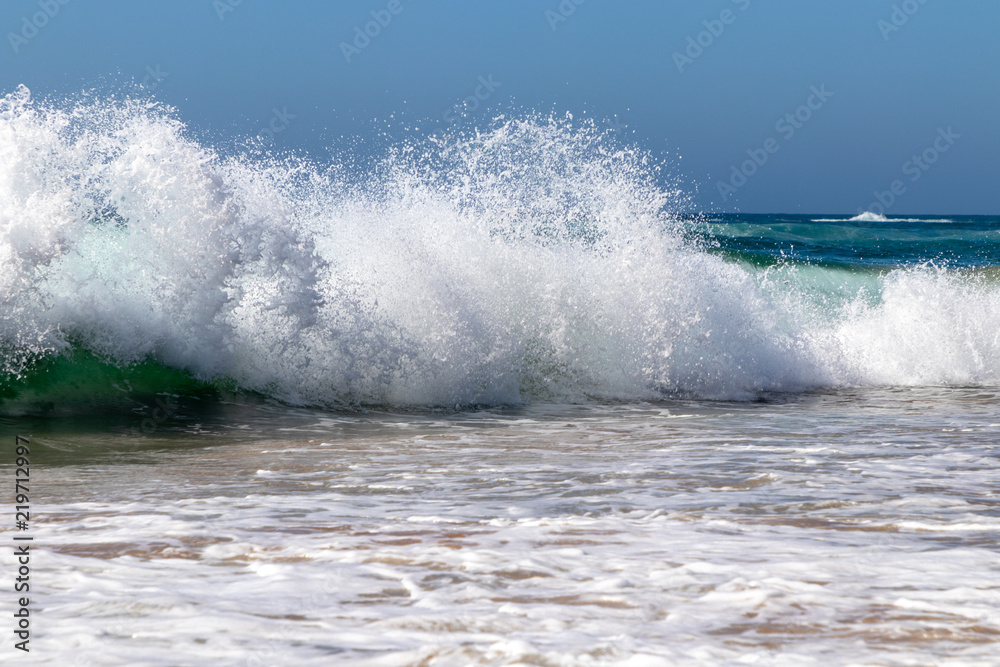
[{"x": 535, "y": 260}]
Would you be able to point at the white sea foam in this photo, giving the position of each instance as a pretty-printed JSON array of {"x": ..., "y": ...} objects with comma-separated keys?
[
  {"x": 719, "y": 535},
  {"x": 536, "y": 260},
  {"x": 868, "y": 216}
]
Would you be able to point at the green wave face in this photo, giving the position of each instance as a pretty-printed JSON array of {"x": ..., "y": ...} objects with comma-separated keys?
[{"x": 79, "y": 382}]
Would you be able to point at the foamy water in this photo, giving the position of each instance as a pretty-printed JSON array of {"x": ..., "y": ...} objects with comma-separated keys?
[{"x": 829, "y": 530}]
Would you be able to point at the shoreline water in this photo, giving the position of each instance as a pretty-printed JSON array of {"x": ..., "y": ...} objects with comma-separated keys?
[{"x": 858, "y": 523}]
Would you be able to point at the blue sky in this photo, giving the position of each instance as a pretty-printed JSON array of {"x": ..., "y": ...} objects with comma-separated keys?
[{"x": 707, "y": 85}]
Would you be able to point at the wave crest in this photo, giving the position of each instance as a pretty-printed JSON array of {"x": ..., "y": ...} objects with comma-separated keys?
[
  {"x": 537, "y": 260},
  {"x": 868, "y": 216}
]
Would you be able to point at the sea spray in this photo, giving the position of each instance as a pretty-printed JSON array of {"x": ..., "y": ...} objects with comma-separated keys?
[{"x": 535, "y": 260}]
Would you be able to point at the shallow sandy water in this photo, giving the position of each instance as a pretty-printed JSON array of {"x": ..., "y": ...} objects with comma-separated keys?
[{"x": 851, "y": 528}]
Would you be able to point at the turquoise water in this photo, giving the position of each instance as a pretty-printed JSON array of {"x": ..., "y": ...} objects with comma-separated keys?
[{"x": 843, "y": 241}]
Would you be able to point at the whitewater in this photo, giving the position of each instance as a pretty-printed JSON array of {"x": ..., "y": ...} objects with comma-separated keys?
[
  {"x": 534, "y": 261},
  {"x": 486, "y": 397}
]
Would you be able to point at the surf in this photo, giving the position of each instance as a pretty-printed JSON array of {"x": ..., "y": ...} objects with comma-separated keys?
[{"x": 537, "y": 259}]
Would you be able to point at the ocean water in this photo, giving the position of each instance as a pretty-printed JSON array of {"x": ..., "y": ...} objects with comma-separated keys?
[{"x": 487, "y": 398}]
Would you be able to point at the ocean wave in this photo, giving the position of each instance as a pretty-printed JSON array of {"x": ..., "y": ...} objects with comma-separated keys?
[
  {"x": 868, "y": 216},
  {"x": 535, "y": 260}
]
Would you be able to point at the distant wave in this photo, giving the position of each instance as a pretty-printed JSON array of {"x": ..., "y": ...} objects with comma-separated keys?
[
  {"x": 533, "y": 260},
  {"x": 868, "y": 216}
]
